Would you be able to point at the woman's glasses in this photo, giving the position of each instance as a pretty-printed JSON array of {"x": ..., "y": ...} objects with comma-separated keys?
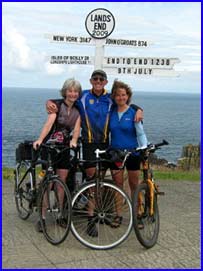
[{"x": 101, "y": 79}]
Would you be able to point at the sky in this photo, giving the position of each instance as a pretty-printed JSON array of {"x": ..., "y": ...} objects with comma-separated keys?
[{"x": 172, "y": 30}]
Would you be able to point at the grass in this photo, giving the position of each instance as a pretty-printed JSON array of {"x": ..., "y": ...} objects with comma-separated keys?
[
  {"x": 7, "y": 173},
  {"x": 159, "y": 174},
  {"x": 177, "y": 174}
]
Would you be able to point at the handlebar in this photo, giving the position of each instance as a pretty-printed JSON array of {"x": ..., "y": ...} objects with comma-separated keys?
[
  {"x": 123, "y": 154},
  {"x": 164, "y": 142},
  {"x": 58, "y": 148},
  {"x": 146, "y": 150},
  {"x": 152, "y": 147}
]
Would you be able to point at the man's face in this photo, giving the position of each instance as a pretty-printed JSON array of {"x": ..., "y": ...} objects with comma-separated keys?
[{"x": 98, "y": 83}]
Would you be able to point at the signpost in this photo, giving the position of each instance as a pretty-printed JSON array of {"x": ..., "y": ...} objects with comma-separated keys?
[{"x": 100, "y": 23}]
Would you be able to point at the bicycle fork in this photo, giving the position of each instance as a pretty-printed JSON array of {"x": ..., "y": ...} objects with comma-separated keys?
[
  {"x": 153, "y": 190},
  {"x": 150, "y": 184}
]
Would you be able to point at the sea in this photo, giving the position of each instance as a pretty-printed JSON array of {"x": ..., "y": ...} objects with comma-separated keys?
[{"x": 174, "y": 117}]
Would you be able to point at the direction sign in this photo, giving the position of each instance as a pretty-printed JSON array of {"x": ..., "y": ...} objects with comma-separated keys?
[
  {"x": 140, "y": 71},
  {"x": 149, "y": 62},
  {"x": 124, "y": 65},
  {"x": 127, "y": 42},
  {"x": 81, "y": 60},
  {"x": 60, "y": 38}
]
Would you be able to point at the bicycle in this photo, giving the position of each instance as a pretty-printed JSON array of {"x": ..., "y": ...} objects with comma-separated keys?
[
  {"x": 100, "y": 194},
  {"x": 144, "y": 203},
  {"x": 45, "y": 197}
]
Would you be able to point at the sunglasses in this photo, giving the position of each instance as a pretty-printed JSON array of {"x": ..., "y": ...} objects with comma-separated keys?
[{"x": 101, "y": 79}]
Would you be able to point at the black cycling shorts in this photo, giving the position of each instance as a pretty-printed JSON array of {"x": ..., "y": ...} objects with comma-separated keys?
[
  {"x": 61, "y": 160},
  {"x": 132, "y": 163}
]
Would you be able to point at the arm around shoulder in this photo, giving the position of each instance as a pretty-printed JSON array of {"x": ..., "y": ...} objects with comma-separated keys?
[
  {"x": 139, "y": 112},
  {"x": 51, "y": 105}
]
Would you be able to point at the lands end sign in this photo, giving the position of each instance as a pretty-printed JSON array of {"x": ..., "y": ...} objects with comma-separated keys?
[{"x": 100, "y": 23}]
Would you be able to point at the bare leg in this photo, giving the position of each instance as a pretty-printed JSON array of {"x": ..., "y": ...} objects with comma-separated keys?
[
  {"x": 133, "y": 182},
  {"x": 91, "y": 203},
  {"x": 126, "y": 186},
  {"x": 90, "y": 171},
  {"x": 133, "y": 178},
  {"x": 117, "y": 176},
  {"x": 63, "y": 173}
]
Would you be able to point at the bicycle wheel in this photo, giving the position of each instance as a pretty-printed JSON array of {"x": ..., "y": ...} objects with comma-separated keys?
[
  {"x": 23, "y": 196},
  {"x": 104, "y": 203},
  {"x": 146, "y": 226},
  {"x": 55, "y": 210}
]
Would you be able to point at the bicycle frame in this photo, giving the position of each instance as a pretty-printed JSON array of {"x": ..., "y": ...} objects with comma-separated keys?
[
  {"x": 148, "y": 178},
  {"x": 19, "y": 182},
  {"x": 99, "y": 177}
]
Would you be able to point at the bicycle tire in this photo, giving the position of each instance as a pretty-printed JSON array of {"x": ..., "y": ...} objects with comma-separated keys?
[
  {"x": 23, "y": 199},
  {"x": 55, "y": 217},
  {"x": 104, "y": 212},
  {"x": 147, "y": 235}
]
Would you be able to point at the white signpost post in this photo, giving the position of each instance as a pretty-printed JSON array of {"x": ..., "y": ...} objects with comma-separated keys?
[{"x": 100, "y": 23}]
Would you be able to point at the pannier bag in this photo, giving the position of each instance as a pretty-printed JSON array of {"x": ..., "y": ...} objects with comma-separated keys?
[{"x": 24, "y": 151}]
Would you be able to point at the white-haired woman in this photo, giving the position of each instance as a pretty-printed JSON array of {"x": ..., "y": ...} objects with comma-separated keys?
[{"x": 65, "y": 121}]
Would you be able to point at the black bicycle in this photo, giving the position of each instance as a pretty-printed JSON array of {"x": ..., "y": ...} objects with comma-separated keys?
[
  {"x": 50, "y": 197},
  {"x": 102, "y": 197}
]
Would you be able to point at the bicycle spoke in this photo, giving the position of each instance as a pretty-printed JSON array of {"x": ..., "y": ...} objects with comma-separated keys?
[{"x": 104, "y": 212}]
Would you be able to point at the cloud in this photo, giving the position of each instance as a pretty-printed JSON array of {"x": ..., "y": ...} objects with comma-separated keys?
[
  {"x": 20, "y": 56},
  {"x": 17, "y": 54}
]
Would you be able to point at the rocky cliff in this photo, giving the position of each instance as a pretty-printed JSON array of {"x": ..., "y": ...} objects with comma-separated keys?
[{"x": 190, "y": 158}]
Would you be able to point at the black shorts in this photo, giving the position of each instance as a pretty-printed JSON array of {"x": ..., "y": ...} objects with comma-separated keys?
[
  {"x": 132, "y": 163},
  {"x": 62, "y": 160},
  {"x": 89, "y": 153}
]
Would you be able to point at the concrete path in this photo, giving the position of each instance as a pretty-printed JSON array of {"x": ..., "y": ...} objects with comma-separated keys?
[{"x": 178, "y": 245}]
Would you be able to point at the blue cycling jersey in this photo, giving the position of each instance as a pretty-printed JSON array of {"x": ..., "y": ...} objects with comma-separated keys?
[
  {"x": 95, "y": 111},
  {"x": 123, "y": 132}
]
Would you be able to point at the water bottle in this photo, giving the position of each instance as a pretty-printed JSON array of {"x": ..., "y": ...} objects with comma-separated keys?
[
  {"x": 78, "y": 179},
  {"x": 82, "y": 202}
]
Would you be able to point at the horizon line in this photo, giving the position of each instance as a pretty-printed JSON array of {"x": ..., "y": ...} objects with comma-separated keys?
[{"x": 148, "y": 91}]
